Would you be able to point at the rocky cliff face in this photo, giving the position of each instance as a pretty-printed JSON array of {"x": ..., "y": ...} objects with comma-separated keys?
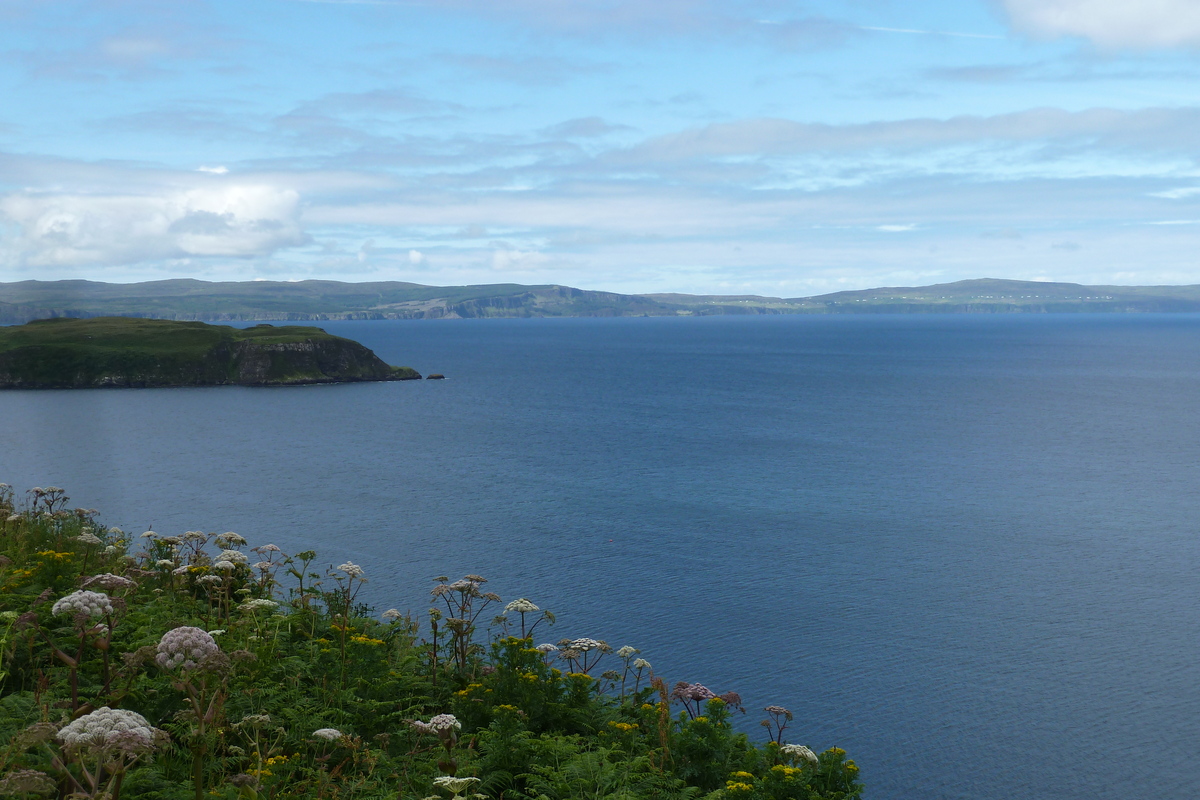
[{"x": 258, "y": 364}]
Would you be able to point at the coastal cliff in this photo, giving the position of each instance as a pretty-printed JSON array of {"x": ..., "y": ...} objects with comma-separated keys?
[{"x": 123, "y": 352}]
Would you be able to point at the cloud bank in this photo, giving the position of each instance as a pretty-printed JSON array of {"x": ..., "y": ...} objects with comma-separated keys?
[
  {"x": 1112, "y": 23},
  {"x": 73, "y": 230}
]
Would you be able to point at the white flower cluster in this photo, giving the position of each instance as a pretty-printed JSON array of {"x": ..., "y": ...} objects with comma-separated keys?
[
  {"x": 546, "y": 648},
  {"x": 255, "y": 605},
  {"x": 184, "y": 647},
  {"x": 91, "y": 604},
  {"x": 440, "y": 725},
  {"x": 627, "y": 651},
  {"x": 233, "y": 555},
  {"x": 87, "y": 537},
  {"x": 391, "y": 615},
  {"x": 520, "y": 606},
  {"x": 589, "y": 644},
  {"x": 641, "y": 663},
  {"x": 799, "y": 752},
  {"x": 229, "y": 539},
  {"x": 165, "y": 563},
  {"x": 454, "y": 785},
  {"x": 328, "y": 734},
  {"x": 352, "y": 569},
  {"x": 109, "y": 582},
  {"x": 109, "y": 726}
]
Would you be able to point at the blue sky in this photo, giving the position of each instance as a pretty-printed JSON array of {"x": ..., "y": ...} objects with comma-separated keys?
[{"x": 772, "y": 147}]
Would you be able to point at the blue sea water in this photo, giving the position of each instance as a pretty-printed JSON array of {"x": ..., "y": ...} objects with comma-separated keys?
[{"x": 963, "y": 548}]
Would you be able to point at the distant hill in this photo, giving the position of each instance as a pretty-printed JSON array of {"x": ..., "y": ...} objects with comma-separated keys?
[{"x": 187, "y": 299}]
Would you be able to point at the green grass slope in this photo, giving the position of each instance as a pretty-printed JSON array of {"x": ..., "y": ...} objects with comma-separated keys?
[{"x": 123, "y": 351}]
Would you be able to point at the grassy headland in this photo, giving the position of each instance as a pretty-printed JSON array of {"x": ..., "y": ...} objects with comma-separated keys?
[
  {"x": 123, "y": 351},
  {"x": 169, "y": 667}
]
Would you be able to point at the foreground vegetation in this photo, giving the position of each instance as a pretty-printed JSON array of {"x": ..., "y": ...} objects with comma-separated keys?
[{"x": 198, "y": 666}]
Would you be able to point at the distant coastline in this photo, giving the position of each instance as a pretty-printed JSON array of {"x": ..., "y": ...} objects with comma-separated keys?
[{"x": 193, "y": 300}]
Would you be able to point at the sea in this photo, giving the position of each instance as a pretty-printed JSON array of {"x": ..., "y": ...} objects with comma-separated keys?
[{"x": 964, "y": 548}]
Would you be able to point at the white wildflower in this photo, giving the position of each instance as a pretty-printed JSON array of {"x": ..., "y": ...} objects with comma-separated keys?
[
  {"x": 91, "y": 604},
  {"x": 111, "y": 550},
  {"x": 391, "y": 615},
  {"x": 263, "y": 565},
  {"x": 255, "y": 605},
  {"x": 14, "y": 518},
  {"x": 445, "y": 722},
  {"x": 266, "y": 548},
  {"x": 328, "y": 734},
  {"x": 213, "y": 579},
  {"x": 115, "y": 532},
  {"x": 108, "y": 727},
  {"x": 641, "y": 663},
  {"x": 521, "y": 606},
  {"x": 233, "y": 555},
  {"x": 352, "y": 569},
  {"x": 223, "y": 565},
  {"x": 454, "y": 785},
  {"x": 148, "y": 535},
  {"x": 179, "y": 570},
  {"x": 87, "y": 537},
  {"x": 23, "y": 782},
  {"x": 441, "y": 725},
  {"x": 230, "y": 539},
  {"x": 627, "y": 651},
  {"x": 547, "y": 648},
  {"x": 110, "y": 582},
  {"x": 195, "y": 536},
  {"x": 216, "y": 632},
  {"x": 166, "y": 563},
  {"x": 588, "y": 644},
  {"x": 799, "y": 752},
  {"x": 184, "y": 647}
]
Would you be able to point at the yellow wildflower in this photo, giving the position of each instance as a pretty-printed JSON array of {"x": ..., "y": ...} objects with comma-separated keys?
[{"x": 361, "y": 639}]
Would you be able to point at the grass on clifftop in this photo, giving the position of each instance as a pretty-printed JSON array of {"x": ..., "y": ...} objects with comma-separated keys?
[
  {"x": 149, "y": 336},
  {"x": 197, "y": 665}
]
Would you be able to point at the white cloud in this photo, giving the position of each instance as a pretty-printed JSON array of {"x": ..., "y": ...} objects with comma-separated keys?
[
  {"x": 1178, "y": 194},
  {"x": 896, "y": 228},
  {"x": 416, "y": 257},
  {"x": 234, "y": 220},
  {"x": 517, "y": 260},
  {"x": 213, "y": 170},
  {"x": 1112, "y": 23}
]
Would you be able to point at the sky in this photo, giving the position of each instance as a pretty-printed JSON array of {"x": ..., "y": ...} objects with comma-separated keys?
[{"x": 770, "y": 147}]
